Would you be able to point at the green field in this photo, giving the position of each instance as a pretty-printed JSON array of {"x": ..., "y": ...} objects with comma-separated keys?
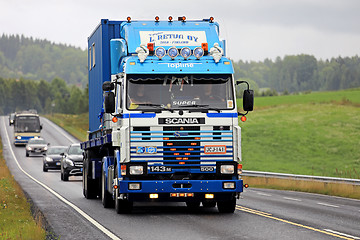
[{"x": 312, "y": 134}]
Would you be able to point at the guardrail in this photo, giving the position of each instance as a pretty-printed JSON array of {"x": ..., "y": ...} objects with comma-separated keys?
[{"x": 300, "y": 177}]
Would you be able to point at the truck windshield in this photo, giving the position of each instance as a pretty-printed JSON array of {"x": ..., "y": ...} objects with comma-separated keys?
[
  {"x": 27, "y": 124},
  {"x": 213, "y": 92}
]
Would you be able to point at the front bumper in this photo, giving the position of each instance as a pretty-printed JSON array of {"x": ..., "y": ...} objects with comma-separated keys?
[
  {"x": 53, "y": 164},
  {"x": 74, "y": 170},
  {"x": 165, "y": 188}
]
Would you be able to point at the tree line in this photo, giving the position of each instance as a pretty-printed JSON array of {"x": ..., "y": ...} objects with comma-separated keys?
[
  {"x": 54, "y": 97},
  {"x": 28, "y": 58},
  {"x": 301, "y": 73}
]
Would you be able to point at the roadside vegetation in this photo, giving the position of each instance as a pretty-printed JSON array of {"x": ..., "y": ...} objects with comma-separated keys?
[{"x": 16, "y": 220}]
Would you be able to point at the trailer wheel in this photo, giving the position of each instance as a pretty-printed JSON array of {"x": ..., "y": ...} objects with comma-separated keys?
[
  {"x": 227, "y": 206},
  {"x": 89, "y": 185},
  {"x": 106, "y": 197}
]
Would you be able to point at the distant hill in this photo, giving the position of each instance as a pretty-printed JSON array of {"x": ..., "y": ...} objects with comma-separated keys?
[{"x": 28, "y": 58}]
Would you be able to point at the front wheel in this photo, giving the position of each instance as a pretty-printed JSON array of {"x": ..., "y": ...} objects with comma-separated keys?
[
  {"x": 44, "y": 168},
  {"x": 89, "y": 185},
  {"x": 227, "y": 206},
  {"x": 106, "y": 197}
]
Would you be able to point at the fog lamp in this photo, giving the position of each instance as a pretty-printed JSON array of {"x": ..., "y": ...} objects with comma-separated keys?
[
  {"x": 228, "y": 185},
  {"x": 154, "y": 195},
  {"x": 160, "y": 52},
  {"x": 198, "y": 52},
  {"x": 134, "y": 186},
  {"x": 173, "y": 52},
  {"x": 209, "y": 196},
  {"x": 185, "y": 52}
]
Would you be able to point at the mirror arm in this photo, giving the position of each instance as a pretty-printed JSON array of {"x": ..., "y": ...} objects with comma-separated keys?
[{"x": 239, "y": 82}]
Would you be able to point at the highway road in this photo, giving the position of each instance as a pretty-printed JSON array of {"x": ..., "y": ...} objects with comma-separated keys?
[{"x": 260, "y": 213}]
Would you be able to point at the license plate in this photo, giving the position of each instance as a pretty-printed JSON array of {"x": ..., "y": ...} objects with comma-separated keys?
[
  {"x": 214, "y": 149},
  {"x": 160, "y": 169}
]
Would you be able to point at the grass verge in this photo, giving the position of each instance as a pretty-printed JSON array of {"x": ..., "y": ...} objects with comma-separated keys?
[{"x": 16, "y": 219}]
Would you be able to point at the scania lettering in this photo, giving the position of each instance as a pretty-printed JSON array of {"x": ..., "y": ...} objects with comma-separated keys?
[{"x": 163, "y": 120}]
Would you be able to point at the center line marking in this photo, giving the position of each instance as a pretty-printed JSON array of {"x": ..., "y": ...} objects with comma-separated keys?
[
  {"x": 327, "y": 205},
  {"x": 264, "y": 194},
  {"x": 340, "y": 233},
  {"x": 293, "y": 199}
]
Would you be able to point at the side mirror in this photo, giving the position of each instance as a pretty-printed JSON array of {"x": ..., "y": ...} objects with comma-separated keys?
[
  {"x": 248, "y": 100},
  {"x": 109, "y": 102},
  {"x": 108, "y": 86}
]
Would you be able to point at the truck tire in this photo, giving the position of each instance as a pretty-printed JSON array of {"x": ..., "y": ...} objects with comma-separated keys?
[
  {"x": 227, "y": 206},
  {"x": 122, "y": 206},
  {"x": 89, "y": 185},
  {"x": 66, "y": 177},
  {"x": 106, "y": 197}
]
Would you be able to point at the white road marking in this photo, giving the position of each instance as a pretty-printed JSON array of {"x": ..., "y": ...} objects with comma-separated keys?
[
  {"x": 327, "y": 205},
  {"x": 264, "y": 194},
  {"x": 293, "y": 199},
  {"x": 342, "y": 234},
  {"x": 82, "y": 213}
]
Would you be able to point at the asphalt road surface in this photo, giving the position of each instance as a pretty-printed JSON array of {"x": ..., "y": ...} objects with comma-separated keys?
[{"x": 260, "y": 213}]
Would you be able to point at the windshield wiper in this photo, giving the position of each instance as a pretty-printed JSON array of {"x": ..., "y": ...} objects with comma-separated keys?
[
  {"x": 203, "y": 106},
  {"x": 158, "y": 106}
]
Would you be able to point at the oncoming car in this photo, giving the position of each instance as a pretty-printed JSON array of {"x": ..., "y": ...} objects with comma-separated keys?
[
  {"x": 51, "y": 159},
  {"x": 72, "y": 162},
  {"x": 36, "y": 146}
]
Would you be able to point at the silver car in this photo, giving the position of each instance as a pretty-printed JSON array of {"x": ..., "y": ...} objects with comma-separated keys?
[{"x": 36, "y": 146}]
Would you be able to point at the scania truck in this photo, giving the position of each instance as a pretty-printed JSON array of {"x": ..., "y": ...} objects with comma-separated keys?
[{"x": 163, "y": 118}]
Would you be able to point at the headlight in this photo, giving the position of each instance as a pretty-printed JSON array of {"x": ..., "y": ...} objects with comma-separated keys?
[
  {"x": 48, "y": 159},
  {"x": 136, "y": 170},
  {"x": 69, "y": 162},
  {"x": 29, "y": 148},
  {"x": 134, "y": 186},
  {"x": 18, "y": 137},
  {"x": 227, "y": 169},
  {"x": 45, "y": 148}
]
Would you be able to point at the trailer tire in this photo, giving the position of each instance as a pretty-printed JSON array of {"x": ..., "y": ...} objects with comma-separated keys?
[
  {"x": 227, "y": 206},
  {"x": 106, "y": 197}
]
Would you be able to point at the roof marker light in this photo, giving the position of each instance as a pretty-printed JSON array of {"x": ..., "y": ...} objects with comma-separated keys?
[
  {"x": 211, "y": 19},
  {"x": 173, "y": 52},
  {"x": 160, "y": 52},
  {"x": 170, "y": 18},
  {"x": 198, "y": 52},
  {"x": 185, "y": 52},
  {"x": 128, "y": 19},
  {"x": 157, "y": 18},
  {"x": 183, "y": 19}
]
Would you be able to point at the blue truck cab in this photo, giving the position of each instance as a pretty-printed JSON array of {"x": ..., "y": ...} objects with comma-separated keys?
[{"x": 163, "y": 120}]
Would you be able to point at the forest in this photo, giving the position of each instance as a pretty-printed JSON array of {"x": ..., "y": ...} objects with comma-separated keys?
[{"x": 52, "y": 77}]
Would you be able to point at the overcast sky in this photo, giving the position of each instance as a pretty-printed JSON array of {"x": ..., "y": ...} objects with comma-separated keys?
[{"x": 254, "y": 29}]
